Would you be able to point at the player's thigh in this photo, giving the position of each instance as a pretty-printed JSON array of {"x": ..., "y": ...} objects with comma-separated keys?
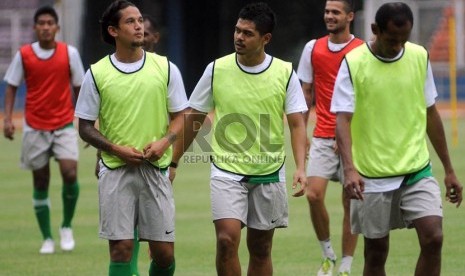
[
  {"x": 374, "y": 215},
  {"x": 229, "y": 199},
  {"x": 421, "y": 199},
  {"x": 268, "y": 206},
  {"x": 35, "y": 149},
  {"x": 118, "y": 198},
  {"x": 156, "y": 209},
  {"x": 323, "y": 161},
  {"x": 65, "y": 144}
]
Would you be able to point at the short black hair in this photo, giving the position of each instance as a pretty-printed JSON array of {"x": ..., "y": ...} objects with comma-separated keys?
[
  {"x": 46, "y": 10},
  {"x": 111, "y": 17},
  {"x": 397, "y": 12},
  {"x": 261, "y": 14},
  {"x": 348, "y": 5},
  {"x": 153, "y": 23}
]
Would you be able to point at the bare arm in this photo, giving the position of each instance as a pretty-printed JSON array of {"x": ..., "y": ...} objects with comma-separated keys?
[
  {"x": 76, "y": 90},
  {"x": 298, "y": 142},
  {"x": 353, "y": 183},
  {"x": 91, "y": 135},
  {"x": 156, "y": 149},
  {"x": 8, "y": 126},
  {"x": 307, "y": 88},
  {"x": 435, "y": 131},
  {"x": 192, "y": 122}
]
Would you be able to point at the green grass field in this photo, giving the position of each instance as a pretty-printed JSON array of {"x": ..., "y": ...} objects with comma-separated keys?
[{"x": 295, "y": 251}]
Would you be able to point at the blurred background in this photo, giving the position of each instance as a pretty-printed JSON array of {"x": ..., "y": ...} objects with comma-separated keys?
[{"x": 196, "y": 32}]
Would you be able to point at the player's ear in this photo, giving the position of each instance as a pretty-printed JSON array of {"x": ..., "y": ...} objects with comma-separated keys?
[
  {"x": 156, "y": 36},
  {"x": 267, "y": 38},
  {"x": 374, "y": 29},
  {"x": 350, "y": 16},
  {"x": 112, "y": 31}
]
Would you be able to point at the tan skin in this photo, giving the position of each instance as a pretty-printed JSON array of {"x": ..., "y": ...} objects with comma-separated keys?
[
  {"x": 337, "y": 21},
  {"x": 250, "y": 48},
  {"x": 151, "y": 37},
  {"x": 129, "y": 37},
  {"x": 45, "y": 29},
  {"x": 388, "y": 44}
]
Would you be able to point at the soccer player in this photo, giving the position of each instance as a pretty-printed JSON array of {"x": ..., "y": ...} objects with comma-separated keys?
[
  {"x": 138, "y": 100},
  {"x": 249, "y": 92},
  {"x": 384, "y": 98},
  {"x": 317, "y": 71},
  {"x": 151, "y": 33},
  {"x": 50, "y": 68}
]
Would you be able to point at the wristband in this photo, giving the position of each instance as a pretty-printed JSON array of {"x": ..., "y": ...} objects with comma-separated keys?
[{"x": 173, "y": 165}]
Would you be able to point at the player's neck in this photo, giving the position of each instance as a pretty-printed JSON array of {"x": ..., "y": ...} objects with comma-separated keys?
[
  {"x": 126, "y": 55},
  {"x": 47, "y": 45},
  {"x": 251, "y": 60},
  {"x": 340, "y": 38}
]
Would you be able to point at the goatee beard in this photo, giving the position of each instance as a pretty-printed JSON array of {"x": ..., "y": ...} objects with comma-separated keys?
[{"x": 137, "y": 44}]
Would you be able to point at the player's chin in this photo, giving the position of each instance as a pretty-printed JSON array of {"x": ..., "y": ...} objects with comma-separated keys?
[
  {"x": 240, "y": 51},
  {"x": 138, "y": 43}
]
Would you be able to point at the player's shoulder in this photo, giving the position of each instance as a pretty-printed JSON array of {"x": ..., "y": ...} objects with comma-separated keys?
[{"x": 411, "y": 45}]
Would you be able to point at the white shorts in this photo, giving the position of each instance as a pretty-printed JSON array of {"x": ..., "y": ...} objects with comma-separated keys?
[
  {"x": 136, "y": 196},
  {"x": 323, "y": 161},
  {"x": 39, "y": 145},
  {"x": 258, "y": 206},
  {"x": 379, "y": 213}
]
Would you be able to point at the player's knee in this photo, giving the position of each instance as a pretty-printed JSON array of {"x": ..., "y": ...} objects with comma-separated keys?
[
  {"x": 226, "y": 244},
  {"x": 121, "y": 251},
  {"x": 69, "y": 175},
  {"x": 164, "y": 260},
  {"x": 432, "y": 242},
  {"x": 260, "y": 250},
  {"x": 314, "y": 197}
]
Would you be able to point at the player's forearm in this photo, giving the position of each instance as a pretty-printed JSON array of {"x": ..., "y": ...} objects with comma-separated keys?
[
  {"x": 91, "y": 135},
  {"x": 298, "y": 139},
  {"x": 344, "y": 140},
  {"x": 435, "y": 131},
  {"x": 192, "y": 122},
  {"x": 10, "y": 95}
]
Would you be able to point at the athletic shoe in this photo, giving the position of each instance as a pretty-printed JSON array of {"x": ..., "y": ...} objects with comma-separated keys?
[
  {"x": 326, "y": 268},
  {"x": 345, "y": 273},
  {"x": 67, "y": 241},
  {"x": 48, "y": 247}
]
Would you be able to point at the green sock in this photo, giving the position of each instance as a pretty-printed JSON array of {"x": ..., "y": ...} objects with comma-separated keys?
[
  {"x": 41, "y": 204},
  {"x": 135, "y": 255},
  {"x": 155, "y": 270},
  {"x": 119, "y": 269},
  {"x": 69, "y": 195}
]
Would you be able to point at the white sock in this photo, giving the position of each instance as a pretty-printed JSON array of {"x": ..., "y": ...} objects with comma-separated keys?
[
  {"x": 327, "y": 249},
  {"x": 346, "y": 264}
]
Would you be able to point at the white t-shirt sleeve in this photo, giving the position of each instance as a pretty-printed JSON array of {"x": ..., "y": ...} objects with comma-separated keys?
[
  {"x": 343, "y": 96},
  {"x": 15, "y": 73},
  {"x": 430, "y": 87},
  {"x": 201, "y": 98},
  {"x": 295, "y": 100},
  {"x": 76, "y": 67},
  {"x": 88, "y": 102},
  {"x": 305, "y": 69},
  {"x": 177, "y": 99}
]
